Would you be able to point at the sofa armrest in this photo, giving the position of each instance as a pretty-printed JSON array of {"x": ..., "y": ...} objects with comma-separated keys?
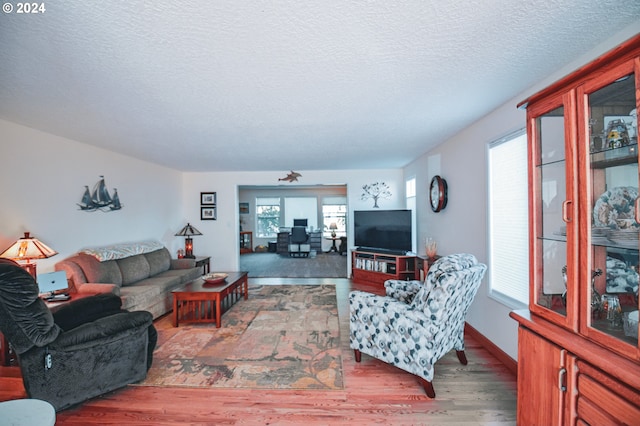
[
  {"x": 97, "y": 288},
  {"x": 364, "y": 300},
  {"x": 373, "y": 311},
  {"x": 183, "y": 263},
  {"x": 95, "y": 332},
  {"x": 87, "y": 309},
  {"x": 75, "y": 275}
]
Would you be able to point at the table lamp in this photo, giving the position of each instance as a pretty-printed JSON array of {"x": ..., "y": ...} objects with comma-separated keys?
[
  {"x": 27, "y": 249},
  {"x": 188, "y": 231},
  {"x": 333, "y": 228}
]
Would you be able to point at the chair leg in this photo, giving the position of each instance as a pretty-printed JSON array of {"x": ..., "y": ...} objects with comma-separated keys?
[
  {"x": 428, "y": 387},
  {"x": 357, "y": 354},
  {"x": 462, "y": 357}
]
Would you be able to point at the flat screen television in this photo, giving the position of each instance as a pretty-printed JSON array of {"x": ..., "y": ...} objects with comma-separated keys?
[{"x": 383, "y": 230}]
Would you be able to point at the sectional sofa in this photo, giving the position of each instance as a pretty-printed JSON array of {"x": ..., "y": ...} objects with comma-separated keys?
[{"x": 143, "y": 274}]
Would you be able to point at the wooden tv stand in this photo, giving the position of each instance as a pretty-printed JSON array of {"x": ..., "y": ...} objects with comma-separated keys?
[{"x": 375, "y": 268}]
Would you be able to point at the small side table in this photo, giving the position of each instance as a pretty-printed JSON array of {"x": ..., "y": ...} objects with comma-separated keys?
[
  {"x": 333, "y": 248},
  {"x": 205, "y": 262},
  {"x": 423, "y": 265},
  {"x": 27, "y": 412}
]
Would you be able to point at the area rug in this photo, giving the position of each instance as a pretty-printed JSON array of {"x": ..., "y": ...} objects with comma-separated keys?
[
  {"x": 282, "y": 337},
  {"x": 273, "y": 265}
]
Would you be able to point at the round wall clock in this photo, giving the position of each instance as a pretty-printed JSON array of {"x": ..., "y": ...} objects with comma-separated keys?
[{"x": 438, "y": 194}]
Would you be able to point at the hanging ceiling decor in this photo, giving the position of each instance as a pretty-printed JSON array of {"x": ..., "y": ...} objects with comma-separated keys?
[
  {"x": 375, "y": 191},
  {"x": 99, "y": 198},
  {"x": 291, "y": 177}
]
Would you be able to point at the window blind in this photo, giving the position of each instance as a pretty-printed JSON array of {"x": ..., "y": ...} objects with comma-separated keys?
[{"x": 508, "y": 220}]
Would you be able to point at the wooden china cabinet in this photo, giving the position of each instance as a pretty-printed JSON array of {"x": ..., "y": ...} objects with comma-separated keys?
[{"x": 578, "y": 353}]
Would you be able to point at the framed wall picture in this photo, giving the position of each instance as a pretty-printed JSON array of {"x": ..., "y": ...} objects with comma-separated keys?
[
  {"x": 207, "y": 213},
  {"x": 208, "y": 198},
  {"x": 244, "y": 208}
]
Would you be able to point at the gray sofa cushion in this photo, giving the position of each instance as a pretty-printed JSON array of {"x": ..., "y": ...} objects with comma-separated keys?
[
  {"x": 159, "y": 261},
  {"x": 140, "y": 296},
  {"x": 99, "y": 272},
  {"x": 133, "y": 269},
  {"x": 183, "y": 275},
  {"x": 148, "y": 291}
]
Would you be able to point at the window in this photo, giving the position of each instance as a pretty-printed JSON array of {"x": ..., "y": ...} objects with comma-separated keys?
[
  {"x": 267, "y": 217},
  {"x": 410, "y": 195},
  {"x": 334, "y": 213},
  {"x": 410, "y": 186},
  {"x": 334, "y": 210},
  {"x": 508, "y": 220}
]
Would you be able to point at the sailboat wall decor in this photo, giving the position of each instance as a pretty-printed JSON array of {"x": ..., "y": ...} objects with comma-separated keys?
[{"x": 99, "y": 198}]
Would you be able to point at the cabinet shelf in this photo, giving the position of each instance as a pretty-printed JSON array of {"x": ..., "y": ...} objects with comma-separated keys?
[
  {"x": 246, "y": 242},
  {"x": 598, "y": 241},
  {"x": 615, "y": 157},
  {"x": 376, "y": 268},
  {"x": 605, "y": 242}
]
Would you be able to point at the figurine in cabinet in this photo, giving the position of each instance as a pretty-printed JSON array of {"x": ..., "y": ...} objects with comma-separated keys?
[{"x": 617, "y": 134}]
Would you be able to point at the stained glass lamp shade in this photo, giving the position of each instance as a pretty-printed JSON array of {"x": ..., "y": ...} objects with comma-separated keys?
[
  {"x": 188, "y": 231},
  {"x": 27, "y": 249}
]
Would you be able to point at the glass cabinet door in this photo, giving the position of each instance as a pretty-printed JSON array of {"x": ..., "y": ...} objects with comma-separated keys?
[
  {"x": 609, "y": 287},
  {"x": 553, "y": 213}
]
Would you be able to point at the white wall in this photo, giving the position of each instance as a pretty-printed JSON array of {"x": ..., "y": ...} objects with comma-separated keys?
[
  {"x": 221, "y": 237},
  {"x": 462, "y": 226},
  {"x": 43, "y": 177}
]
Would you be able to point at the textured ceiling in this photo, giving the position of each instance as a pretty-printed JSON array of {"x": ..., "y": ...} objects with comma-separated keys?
[{"x": 278, "y": 85}]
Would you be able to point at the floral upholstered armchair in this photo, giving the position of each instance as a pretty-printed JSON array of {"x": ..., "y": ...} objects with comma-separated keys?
[{"x": 417, "y": 323}]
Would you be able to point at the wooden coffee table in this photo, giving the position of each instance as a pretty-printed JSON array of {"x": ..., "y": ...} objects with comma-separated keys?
[{"x": 199, "y": 302}]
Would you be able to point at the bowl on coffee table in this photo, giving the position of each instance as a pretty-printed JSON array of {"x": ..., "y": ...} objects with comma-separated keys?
[{"x": 215, "y": 278}]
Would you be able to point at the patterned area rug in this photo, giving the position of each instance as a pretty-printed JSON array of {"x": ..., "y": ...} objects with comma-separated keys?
[{"x": 283, "y": 337}]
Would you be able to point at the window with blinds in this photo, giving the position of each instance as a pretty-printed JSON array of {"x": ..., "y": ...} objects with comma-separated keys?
[
  {"x": 508, "y": 220},
  {"x": 334, "y": 212},
  {"x": 267, "y": 217},
  {"x": 410, "y": 196}
]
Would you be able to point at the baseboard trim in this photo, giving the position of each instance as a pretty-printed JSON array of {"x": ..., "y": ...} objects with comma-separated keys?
[{"x": 491, "y": 347}]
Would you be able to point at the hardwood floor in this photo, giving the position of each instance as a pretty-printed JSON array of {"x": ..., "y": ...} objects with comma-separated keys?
[{"x": 480, "y": 393}]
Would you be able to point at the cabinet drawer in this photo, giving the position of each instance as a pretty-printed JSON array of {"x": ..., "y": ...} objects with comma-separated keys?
[{"x": 603, "y": 400}]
